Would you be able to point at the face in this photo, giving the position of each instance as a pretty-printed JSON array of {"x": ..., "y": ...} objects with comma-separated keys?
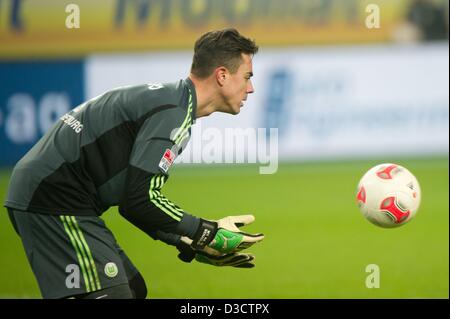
[{"x": 236, "y": 87}]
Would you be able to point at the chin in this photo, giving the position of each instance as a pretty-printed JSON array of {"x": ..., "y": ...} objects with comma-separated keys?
[
  {"x": 232, "y": 111},
  {"x": 235, "y": 112}
]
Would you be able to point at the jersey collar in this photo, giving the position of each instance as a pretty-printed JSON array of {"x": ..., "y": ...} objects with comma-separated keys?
[{"x": 191, "y": 87}]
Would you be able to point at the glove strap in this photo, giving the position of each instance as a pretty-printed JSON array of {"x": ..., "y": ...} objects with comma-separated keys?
[
  {"x": 205, "y": 234},
  {"x": 187, "y": 254}
]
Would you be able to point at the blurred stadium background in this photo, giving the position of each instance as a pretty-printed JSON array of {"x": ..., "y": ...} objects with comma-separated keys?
[{"x": 344, "y": 93}]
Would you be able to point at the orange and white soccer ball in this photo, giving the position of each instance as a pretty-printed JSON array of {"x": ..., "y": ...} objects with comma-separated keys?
[{"x": 388, "y": 195}]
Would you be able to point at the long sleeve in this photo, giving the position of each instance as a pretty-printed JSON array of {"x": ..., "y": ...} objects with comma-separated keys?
[{"x": 147, "y": 208}]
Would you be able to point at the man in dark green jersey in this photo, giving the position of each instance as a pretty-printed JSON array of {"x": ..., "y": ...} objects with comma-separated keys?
[{"x": 116, "y": 150}]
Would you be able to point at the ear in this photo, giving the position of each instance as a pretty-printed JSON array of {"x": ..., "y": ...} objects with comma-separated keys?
[{"x": 221, "y": 74}]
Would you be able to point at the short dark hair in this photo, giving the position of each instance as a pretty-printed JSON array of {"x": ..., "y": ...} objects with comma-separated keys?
[{"x": 220, "y": 48}]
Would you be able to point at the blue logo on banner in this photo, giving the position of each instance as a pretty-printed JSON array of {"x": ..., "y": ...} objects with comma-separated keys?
[
  {"x": 276, "y": 103},
  {"x": 33, "y": 96}
]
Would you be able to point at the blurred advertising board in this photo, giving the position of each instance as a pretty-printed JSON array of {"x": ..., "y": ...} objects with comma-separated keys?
[
  {"x": 49, "y": 28},
  {"x": 354, "y": 102},
  {"x": 33, "y": 96}
]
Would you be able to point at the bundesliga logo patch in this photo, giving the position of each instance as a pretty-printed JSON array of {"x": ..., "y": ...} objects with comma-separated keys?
[{"x": 166, "y": 160}]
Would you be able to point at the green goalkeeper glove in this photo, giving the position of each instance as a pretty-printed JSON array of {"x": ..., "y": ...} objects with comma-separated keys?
[
  {"x": 209, "y": 256},
  {"x": 224, "y": 236}
]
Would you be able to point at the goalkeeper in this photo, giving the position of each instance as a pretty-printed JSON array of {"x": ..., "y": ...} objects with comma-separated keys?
[{"x": 116, "y": 150}]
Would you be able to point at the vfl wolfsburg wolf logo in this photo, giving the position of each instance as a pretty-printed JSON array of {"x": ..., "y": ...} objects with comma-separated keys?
[{"x": 111, "y": 270}]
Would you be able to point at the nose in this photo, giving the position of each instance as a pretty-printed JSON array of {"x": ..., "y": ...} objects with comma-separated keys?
[{"x": 250, "y": 88}]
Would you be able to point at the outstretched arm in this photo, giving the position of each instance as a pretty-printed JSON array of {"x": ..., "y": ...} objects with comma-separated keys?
[{"x": 147, "y": 208}]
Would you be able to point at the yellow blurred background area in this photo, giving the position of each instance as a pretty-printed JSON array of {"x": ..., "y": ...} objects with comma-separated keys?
[{"x": 39, "y": 28}]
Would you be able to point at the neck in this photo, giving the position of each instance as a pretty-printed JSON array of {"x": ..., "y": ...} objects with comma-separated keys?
[{"x": 205, "y": 96}]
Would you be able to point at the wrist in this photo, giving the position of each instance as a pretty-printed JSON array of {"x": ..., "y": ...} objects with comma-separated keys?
[{"x": 205, "y": 233}]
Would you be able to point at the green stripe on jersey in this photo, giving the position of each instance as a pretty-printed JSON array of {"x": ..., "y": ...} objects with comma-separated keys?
[
  {"x": 162, "y": 202},
  {"x": 181, "y": 134}
]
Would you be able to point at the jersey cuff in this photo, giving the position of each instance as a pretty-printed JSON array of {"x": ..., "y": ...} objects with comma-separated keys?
[
  {"x": 168, "y": 238},
  {"x": 188, "y": 225}
]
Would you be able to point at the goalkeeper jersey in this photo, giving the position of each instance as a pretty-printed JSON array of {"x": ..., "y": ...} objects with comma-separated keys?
[{"x": 114, "y": 150}]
